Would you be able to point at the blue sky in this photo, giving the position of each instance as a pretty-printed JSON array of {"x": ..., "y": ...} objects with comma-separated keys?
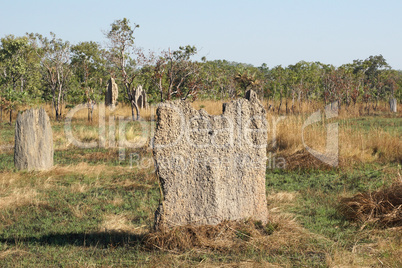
[{"x": 256, "y": 32}]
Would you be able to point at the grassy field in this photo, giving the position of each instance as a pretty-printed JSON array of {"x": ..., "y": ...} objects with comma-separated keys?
[{"x": 96, "y": 208}]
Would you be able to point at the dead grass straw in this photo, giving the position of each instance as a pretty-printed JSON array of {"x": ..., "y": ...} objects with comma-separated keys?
[
  {"x": 229, "y": 236},
  {"x": 383, "y": 206}
]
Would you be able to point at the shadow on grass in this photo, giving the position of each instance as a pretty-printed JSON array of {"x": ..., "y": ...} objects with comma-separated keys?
[{"x": 98, "y": 239}]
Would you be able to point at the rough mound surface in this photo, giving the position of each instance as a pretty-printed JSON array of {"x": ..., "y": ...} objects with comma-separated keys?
[
  {"x": 112, "y": 92},
  {"x": 211, "y": 168},
  {"x": 33, "y": 141}
]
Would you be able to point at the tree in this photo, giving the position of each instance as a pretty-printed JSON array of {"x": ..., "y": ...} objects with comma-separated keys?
[
  {"x": 305, "y": 78},
  {"x": 372, "y": 68},
  {"x": 11, "y": 99},
  {"x": 89, "y": 63},
  {"x": 278, "y": 77},
  {"x": 13, "y": 57},
  {"x": 15, "y": 64},
  {"x": 121, "y": 49},
  {"x": 176, "y": 75},
  {"x": 89, "y": 67},
  {"x": 246, "y": 79},
  {"x": 55, "y": 60}
]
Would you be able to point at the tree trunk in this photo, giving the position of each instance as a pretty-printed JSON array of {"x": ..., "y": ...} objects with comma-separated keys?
[
  {"x": 22, "y": 84},
  {"x": 11, "y": 116},
  {"x": 61, "y": 104},
  {"x": 58, "y": 114},
  {"x": 161, "y": 89},
  {"x": 280, "y": 104},
  {"x": 134, "y": 106},
  {"x": 299, "y": 100},
  {"x": 286, "y": 104}
]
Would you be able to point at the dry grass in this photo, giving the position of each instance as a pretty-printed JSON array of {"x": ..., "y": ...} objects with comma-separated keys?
[
  {"x": 117, "y": 201},
  {"x": 281, "y": 197},
  {"x": 309, "y": 107},
  {"x": 212, "y": 107},
  {"x": 15, "y": 182},
  {"x": 82, "y": 168},
  {"x": 384, "y": 250},
  {"x": 285, "y": 136},
  {"x": 132, "y": 185},
  {"x": 121, "y": 110},
  {"x": 120, "y": 223},
  {"x": 18, "y": 198},
  {"x": 282, "y": 235},
  {"x": 355, "y": 146},
  {"x": 79, "y": 211},
  {"x": 13, "y": 252},
  {"x": 79, "y": 188},
  {"x": 383, "y": 206},
  {"x": 228, "y": 236}
]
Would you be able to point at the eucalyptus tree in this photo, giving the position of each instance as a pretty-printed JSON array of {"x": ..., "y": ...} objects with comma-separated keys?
[
  {"x": 12, "y": 99},
  {"x": 222, "y": 76},
  {"x": 176, "y": 75},
  {"x": 126, "y": 58},
  {"x": 13, "y": 52},
  {"x": 17, "y": 72},
  {"x": 373, "y": 69},
  {"x": 278, "y": 80},
  {"x": 211, "y": 74},
  {"x": 397, "y": 88},
  {"x": 12, "y": 68},
  {"x": 55, "y": 61},
  {"x": 89, "y": 67}
]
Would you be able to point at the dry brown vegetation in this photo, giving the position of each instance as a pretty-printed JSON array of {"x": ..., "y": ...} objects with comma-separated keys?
[
  {"x": 120, "y": 223},
  {"x": 19, "y": 197},
  {"x": 284, "y": 134},
  {"x": 383, "y": 206},
  {"x": 355, "y": 145},
  {"x": 282, "y": 233},
  {"x": 229, "y": 236},
  {"x": 283, "y": 236},
  {"x": 285, "y": 240}
]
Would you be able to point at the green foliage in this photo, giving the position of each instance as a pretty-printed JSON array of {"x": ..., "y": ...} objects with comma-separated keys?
[
  {"x": 13, "y": 58},
  {"x": 55, "y": 67},
  {"x": 90, "y": 75},
  {"x": 19, "y": 66},
  {"x": 14, "y": 98},
  {"x": 175, "y": 75},
  {"x": 124, "y": 61},
  {"x": 56, "y": 71}
]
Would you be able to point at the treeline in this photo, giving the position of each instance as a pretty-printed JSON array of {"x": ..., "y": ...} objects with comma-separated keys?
[{"x": 37, "y": 69}]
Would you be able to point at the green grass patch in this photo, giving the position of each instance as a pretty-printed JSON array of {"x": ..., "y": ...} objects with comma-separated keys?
[
  {"x": 79, "y": 217},
  {"x": 393, "y": 125}
]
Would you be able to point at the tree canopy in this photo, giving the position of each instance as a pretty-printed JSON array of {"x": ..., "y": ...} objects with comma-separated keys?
[{"x": 35, "y": 68}]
